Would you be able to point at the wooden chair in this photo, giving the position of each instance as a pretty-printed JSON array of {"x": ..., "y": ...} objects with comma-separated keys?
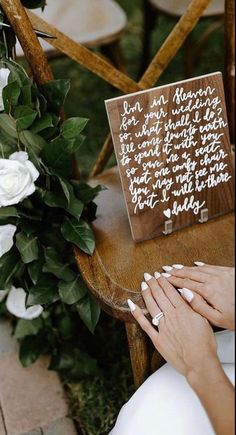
[
  {"x": 116, "y": 269},
  {"x": 92, "y": 23},
  {"x": 153, "y": 9}
]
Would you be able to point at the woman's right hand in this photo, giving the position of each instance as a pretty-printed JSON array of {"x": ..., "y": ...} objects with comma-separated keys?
[
  {"x": 212, "y": 289},
  {"x": 185, "y": 339}
]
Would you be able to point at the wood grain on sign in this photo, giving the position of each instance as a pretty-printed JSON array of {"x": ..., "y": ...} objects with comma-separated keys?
[{"x": 174, "y": 156}]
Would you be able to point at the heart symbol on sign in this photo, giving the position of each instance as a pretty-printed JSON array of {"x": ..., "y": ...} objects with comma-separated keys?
[{"x": 167, "y": 213}]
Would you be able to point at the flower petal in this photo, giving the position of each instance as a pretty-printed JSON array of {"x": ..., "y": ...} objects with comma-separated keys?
[
  {"x": 6, "y": 238},
  {"x": 16, "y": 305},
  {"x": 20, "y": 156}
]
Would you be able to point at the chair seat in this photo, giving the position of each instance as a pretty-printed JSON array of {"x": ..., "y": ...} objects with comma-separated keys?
[
  {"x": 177, "y": 8},
  {"x": 89, "y": 22},
  {"x": 115, "y": 271}
]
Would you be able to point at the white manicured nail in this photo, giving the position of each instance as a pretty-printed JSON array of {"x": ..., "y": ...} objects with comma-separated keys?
[
  {"x": 132, "y": 306},
  {"x": 167, "y": 268},
  {"x": 166, "y": 275},
  {"x": 157, "y": 275},
  {"x": 144, "y": 286},
  {"x": 199, "y": 263},
  {"x": 187, "y": 294},
  {"x": 178, "y": 266},
  {"x": 147, "y": 276},
  {"x": 180, "y": 290}
]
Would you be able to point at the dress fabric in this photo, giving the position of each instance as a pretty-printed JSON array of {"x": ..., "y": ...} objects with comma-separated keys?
[{"x": 166, "y": 405}]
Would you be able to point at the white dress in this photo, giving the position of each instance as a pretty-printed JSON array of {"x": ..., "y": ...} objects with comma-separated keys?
[{"x": 166, "y": 405}]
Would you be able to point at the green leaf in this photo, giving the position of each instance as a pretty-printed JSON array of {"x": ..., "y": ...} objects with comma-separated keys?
[
  {"x": 89, "y": 312},
  {"x": 25, "y": 117},
  {"x": 6, "y": 212},
  {"x": 35, "y": 269},
  {"x": 75, "y": 206},
  {"x": 26, "y": 95},
  {"x": 8, "y": 125},
  {"x": 85, "y": 192},
  {"x": 42, "y": 123},
  {"x": 53, "y": 199},
  {"x": 72, "y": 292},
  {"x": 27, "y": 246},
  {"x": 72, "y": 127},
  {"x": 74, "y": 362},
  {"x": 9, "y": 264},
  {"x": 30, "y": 349},
  {"x": 79, "y": 233},
  {"x": 10, "y": 95},
  {"x": 55, "y": 156},
  {"x": 32, "y": 141},
  {"x": 55, "y": 93},
  {"x": 54, "y": 265},
  {"x": 28, "y": 327},
  {"x": 44, "y": 292}
]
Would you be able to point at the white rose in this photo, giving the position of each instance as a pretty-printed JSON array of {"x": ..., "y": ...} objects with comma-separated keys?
[
  {"x": 17, "y": 176},
  {"x": 6, "y": 238},
  {"x": 16, "y": 305},
  {"x": 4, "y": 73}
]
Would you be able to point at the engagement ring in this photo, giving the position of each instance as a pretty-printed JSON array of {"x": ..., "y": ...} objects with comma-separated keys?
[{"x": 157, "y": 318}]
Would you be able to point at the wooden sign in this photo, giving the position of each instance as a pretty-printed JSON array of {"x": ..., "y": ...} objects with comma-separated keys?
[{"x": 173, "y": 151}]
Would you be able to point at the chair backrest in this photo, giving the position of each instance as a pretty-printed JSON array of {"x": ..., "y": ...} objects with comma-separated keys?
[{"x": 23, "y": 23}]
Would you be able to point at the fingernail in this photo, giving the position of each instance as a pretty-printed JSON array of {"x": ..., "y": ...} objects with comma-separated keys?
[
  {"x": 178, "y": 266},
  {"x": 144, "y": 286},
  {"x": 166, "y": 275},
  {"x": 167, "y": 268},
  {"x": 147, "y": 276},
  {"x": 157, "y": 275},
  {"x": 199, "y": 263},
  {"x": 187, "y": 294},
  {"x": 132, "y": 306}
]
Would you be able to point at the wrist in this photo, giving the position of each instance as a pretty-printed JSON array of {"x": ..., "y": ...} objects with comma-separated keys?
[{"x": 210, "y": 371}]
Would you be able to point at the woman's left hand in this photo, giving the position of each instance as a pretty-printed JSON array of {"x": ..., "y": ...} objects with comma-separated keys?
[
  {"x": 184, "y": 338},
  {"x": 210, "y": 292}
]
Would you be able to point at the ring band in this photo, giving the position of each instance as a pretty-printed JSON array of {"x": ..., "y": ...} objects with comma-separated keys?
[{"x": 157, "y": 318}]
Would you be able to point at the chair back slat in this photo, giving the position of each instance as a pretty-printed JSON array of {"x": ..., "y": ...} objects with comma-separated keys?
[
  {"x": 22, "y": 27},
  {"x": 174, "y": 42},
  {"x": 85, "y": 57},
  {"x": 230, "y": 64}
]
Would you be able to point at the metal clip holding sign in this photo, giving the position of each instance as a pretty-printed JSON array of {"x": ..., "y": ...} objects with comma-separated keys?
[
  {"x": 168, "y": 227},
  {"x": 204, "y": 216}
]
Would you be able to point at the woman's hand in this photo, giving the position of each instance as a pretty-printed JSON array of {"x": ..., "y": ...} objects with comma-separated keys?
[
  {"x": 212, "y": 289},
  {"x": 184, "y": 338}
]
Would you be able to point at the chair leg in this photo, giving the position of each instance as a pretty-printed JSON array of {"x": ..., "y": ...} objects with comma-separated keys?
[
  {"x": 150, "y": 16},
  {"x": 139, "y": 355},
  {"x": 114, "y": 53},
  {"x": 188, "y": 57}
]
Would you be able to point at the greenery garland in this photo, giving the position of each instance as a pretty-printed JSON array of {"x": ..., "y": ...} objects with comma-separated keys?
[{"x": 43, "y": 209}]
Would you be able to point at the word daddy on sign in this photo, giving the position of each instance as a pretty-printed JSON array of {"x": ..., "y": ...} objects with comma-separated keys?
[{"x": 173, "y": 151}]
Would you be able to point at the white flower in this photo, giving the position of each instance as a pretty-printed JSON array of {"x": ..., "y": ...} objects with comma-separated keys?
[
  {"x": 17, "y": 177},
  {"x": 6, "y": 238},
  {"x": 4, "y": 73},
  {"x": 16, "y": 305},
  {"x": 3, "y": 293}
]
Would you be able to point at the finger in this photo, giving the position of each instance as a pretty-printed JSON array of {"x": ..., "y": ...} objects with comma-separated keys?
[
  {"x": 187, "y": 283},
  {"x": 190, "y": 273},
  {"x": 143, "y": 322},
  {"x": 205, "y": 266},
  {"x": 199, "y": 305},
  {"x": 162, "y": 301},
  {"x": 170, "y": 291},
  {"x": 149, "y": 300}
]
